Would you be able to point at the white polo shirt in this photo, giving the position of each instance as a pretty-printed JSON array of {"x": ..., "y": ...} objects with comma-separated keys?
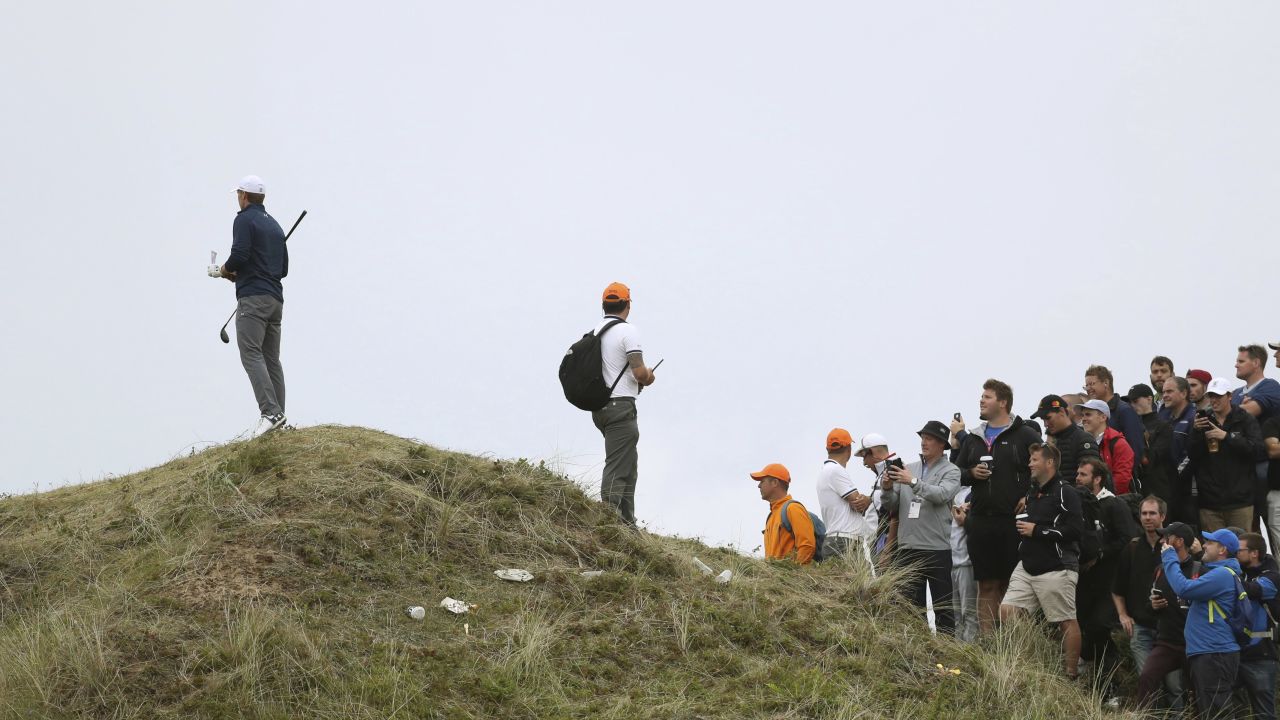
[
  {"x": 834, "y": 487},
  {"x": 621, "y": 340}
]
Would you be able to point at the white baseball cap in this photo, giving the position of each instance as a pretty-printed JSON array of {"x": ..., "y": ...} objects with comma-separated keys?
[
  {"x": 1098, "y": 405},
  {"x": 869, "y": 441},
  {"x": 252, "y": 184},
  {"x": 1218, "y": 386}
]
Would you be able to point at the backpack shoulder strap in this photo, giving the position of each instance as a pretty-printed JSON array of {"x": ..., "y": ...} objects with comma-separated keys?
[
  {"x": 606, "y": 328},
  {"x": 786, "y": 521},
  {"x": 625, "y": 365}
]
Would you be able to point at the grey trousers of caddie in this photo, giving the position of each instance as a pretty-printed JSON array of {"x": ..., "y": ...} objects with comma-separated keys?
[
  {"x": 258, "y": 336},
  {"x": 617, "y": 422}
]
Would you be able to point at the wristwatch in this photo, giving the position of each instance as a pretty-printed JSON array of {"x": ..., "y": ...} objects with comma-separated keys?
[{"x": 914, "y": 482}]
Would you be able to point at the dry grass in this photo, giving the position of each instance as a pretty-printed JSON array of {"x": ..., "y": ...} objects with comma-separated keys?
[{"x": 267, "y": 579}]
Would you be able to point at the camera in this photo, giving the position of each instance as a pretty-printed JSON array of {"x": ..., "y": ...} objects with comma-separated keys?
[{"x": 894, "y": 462}]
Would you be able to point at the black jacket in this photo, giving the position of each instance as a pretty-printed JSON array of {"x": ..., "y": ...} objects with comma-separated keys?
[
  {"x": 1055, "y": 543},
  {"x": 1157, "y": 469},
  {"x": 1227, "y": 479},
  {"x": 998, "y": 495},
  {"x": 1134, "y": 574},
  {"x": 1171, "y": 621},
  {"x": 1074, "y": 444}
]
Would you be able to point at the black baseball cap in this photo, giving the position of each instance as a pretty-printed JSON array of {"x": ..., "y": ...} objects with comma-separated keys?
[
  {"x": 1140, "y": 390},
  {"x": 1048, "y": 404},
  {"x": 936, "y": 429},
  {"x": 1177, "y": 529}
]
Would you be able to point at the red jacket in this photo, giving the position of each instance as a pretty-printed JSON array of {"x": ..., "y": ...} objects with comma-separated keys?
[{"x": 1118, "y": 456}]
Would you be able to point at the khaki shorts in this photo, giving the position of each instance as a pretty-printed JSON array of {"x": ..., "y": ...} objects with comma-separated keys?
[{"x": 1054, "y": 592}]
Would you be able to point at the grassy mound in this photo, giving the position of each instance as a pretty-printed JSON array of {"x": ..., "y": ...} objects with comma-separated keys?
[{"x": 268, "y": 579}]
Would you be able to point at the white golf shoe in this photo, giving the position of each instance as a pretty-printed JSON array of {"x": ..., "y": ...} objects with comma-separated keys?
[{"x": 267, "y": 423}]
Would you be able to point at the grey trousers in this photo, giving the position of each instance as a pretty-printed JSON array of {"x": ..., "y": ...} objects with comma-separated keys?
[
  {"x": 617, "y": 422},
  {"x": 964, "y": 602},
  {"x": 258, "y": 336}
]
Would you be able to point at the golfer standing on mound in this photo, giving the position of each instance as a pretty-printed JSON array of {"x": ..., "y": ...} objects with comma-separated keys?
[
  {"x": 620, "y": 351},
  {"x": 259, "y": 260}
]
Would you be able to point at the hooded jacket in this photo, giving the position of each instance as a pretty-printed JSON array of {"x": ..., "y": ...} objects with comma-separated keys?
[
  {"x": 1119, "y": 457},
  {"x": 1227, "y": 479},
  {"x": 1055, "y": 543},
  {"x": 1212, "y": 597},
  {"x": 1010, "y": 451}
]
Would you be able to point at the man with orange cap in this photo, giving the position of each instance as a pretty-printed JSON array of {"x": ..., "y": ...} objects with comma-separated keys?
[
  {"x": 839, "y": 497},
  {"x": 625, "y": 373},
  {"x": 790, "y": 539}
]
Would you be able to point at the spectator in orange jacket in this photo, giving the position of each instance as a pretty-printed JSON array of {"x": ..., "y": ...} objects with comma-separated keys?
[
  {"x": 779, "y": 544},
  {"x": 1116, "y": 452}
]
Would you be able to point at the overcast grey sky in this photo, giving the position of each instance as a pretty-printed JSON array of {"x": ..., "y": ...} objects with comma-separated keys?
[{"x": 829, "y": 214}]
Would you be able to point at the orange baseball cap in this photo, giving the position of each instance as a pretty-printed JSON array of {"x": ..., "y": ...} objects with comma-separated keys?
[
  {"x": 617, "y": 292},
  {"x": 773, "y": 470},
  {"x": 839, "y": 438}
]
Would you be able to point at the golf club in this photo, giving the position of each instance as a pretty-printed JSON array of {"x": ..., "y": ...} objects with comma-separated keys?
[
  {"x": 223, "y": 332},
  {"x": 652, "y": 369}
]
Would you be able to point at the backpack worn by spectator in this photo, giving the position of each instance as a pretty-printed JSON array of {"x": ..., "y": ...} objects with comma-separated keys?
[
  {"x": 580, "y": 372},
  {"x": 1243, "y": 614},
  {"x": 819, "y": 529}
]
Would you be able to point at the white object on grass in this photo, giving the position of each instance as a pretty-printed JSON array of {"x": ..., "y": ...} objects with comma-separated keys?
[
  {"x": 457, "y": 607},
  {"x": 590, "y": 574},
  {"x": 514, "y": 575},
  {"x": 703, "y": 566},
  {"x": 724, "y": 577},
  {"x": 417, "y": 612}
]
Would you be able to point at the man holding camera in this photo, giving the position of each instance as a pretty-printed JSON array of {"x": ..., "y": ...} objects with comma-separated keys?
[
  {"x": 1167, "y": 657},
  {"x": 921, "y": 493},
  {"x": 1213, "y": 653},
  {"x": 1223, "y": 450},
  {"x": 1048, "y": 556}
]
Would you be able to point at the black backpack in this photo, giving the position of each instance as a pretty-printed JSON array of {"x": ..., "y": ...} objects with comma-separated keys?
[
  {"x": 580, "y": 372},
  {"x": 1091, "y": 535}
]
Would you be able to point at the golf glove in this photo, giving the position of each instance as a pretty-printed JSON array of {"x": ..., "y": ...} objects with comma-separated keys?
[{"x": 215, "y": 271}]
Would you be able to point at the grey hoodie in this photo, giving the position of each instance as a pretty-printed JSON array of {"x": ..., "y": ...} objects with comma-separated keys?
[{"x": 938, "y": 485}]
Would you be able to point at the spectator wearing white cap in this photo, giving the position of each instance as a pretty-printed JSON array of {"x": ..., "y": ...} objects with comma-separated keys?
[
  {"x": 873, "y": 449},
  {"x": 920, "y": 494},
  {"x": 850, "y": 530},
  {"x": 1115, "y": 450},
  {"x": 258, "y": 262},
  {"x": 1223, "y": 450}
]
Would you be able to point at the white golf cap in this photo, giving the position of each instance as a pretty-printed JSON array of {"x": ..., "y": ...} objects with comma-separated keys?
[
  {"x": 252, "y": 184},
  {"x": 1218, "y": 386},
  {"x": 869, "y": 441},
  {"x": 1096, "y": 405}
]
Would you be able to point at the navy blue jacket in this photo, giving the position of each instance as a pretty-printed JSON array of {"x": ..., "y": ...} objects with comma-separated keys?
[
  {"x": 259, "y": 256},
  {"x": 1181, "y": 431},
  {"x": 1127, "y": 421}
]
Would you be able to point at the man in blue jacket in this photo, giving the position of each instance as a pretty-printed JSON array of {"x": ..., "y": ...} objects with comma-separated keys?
[
  {"x": 259, "y": 261},
  {"x": 1213, "y": 653}
]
